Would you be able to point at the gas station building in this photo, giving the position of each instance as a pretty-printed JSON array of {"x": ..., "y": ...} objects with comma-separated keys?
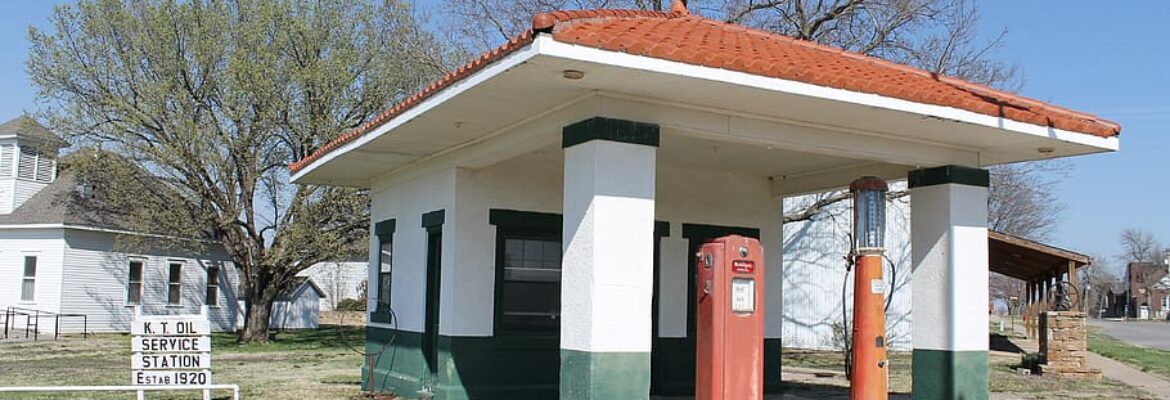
[{"x": 535, "y": 212}]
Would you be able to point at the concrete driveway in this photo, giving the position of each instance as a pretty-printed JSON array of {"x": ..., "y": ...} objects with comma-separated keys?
[{"x": 1143, "y": 333}]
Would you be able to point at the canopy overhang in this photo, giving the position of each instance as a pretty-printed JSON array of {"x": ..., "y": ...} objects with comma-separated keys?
[{"x": 817, "y": 137}]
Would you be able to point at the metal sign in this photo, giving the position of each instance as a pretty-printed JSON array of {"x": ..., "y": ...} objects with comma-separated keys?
[{"x": 171, "y": 351}]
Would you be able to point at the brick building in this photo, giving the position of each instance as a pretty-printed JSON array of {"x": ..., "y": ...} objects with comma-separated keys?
[{"x": 1147, "y": 291}]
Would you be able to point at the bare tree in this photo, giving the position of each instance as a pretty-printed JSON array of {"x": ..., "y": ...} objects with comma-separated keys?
[
  {"x": 1096, "y": 281},
  {"x": 1139, "y": 245},
  {"x": 1022, "y": 198}
]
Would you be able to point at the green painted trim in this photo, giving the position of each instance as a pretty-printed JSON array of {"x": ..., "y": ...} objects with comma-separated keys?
[
  {"x": 604, "y": 375},
  {"x": 949, "y": 174},
  {"x": 434, "y": 219},
  {"x": 385, "y": 228},
  {"x": 950, "y": 375},
  {"x": 616, "y": 130},
  {"x": 661, "y": 229},
  {"x": 708, "y": 232},
  {"x": 525, "y": 219}
]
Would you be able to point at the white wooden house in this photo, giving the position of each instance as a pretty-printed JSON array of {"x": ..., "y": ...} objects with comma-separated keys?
[{"x": 57, "y": 257}]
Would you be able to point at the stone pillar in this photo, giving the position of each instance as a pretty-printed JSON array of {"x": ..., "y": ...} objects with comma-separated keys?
[
  {"x": 607, "y": 268},
  {"x": 949, "y": 282},
  {"x": 1063, "y": 346}
]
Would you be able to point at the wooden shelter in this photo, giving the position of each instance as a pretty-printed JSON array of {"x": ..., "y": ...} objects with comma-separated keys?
[{"x": 1039, "y": 265}]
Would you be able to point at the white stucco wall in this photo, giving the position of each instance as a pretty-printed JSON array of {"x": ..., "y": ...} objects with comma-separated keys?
[
  {"x": 533, "y": 183},
  {"x": 406, "y": 200},
  {"x": 814, "y": 267}
]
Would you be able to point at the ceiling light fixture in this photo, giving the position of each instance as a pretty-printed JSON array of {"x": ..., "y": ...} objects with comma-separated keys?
[{"x": 573, "y": 74}]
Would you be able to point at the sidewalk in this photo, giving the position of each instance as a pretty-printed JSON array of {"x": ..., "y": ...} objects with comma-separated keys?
[
  {"x": 1128, "y": 375},
  {"x": 1114, "y": 370}
]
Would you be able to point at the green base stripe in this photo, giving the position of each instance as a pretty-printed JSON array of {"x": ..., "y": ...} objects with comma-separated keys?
[
  {"x": 950, "y": 375},
  {"x": 949, "y": 174},
  {"x": 596, "y": 376}
]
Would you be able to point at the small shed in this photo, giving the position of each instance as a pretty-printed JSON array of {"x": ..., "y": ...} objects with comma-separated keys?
[{"x": 296, "y": 308}]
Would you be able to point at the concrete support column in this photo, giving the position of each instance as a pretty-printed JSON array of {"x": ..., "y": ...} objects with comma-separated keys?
[
  {"x": 608, "y": 268},
  {"x": 950, "y": 282}
]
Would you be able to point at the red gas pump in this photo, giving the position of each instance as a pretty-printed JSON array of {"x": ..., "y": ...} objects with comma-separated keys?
[
  {"x": 870, "y": 367},
  {"x": 730, "y": 321}
]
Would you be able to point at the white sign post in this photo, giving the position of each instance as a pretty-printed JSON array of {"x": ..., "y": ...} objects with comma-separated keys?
[{"x": 171, "y": 350}]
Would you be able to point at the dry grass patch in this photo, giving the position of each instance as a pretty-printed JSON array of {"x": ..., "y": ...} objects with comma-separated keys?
[{"x": 311, "y": 364}]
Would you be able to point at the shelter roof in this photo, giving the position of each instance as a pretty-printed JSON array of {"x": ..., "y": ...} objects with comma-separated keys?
[
  {"x": 1028, "y": 260},
  {"x": 680, "y": 37}
]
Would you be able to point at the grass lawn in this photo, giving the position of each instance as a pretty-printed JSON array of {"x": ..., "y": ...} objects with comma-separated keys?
[
  {"x": 1002, "y": 377},
  {"x": 1153, "y": 361},
  {"x": 312, "y": 364}
]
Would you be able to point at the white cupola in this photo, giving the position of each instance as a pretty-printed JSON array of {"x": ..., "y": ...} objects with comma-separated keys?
[{"x": 28, "y": 160}]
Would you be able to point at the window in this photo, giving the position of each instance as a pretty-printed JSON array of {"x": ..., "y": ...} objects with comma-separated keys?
[
  {"x": 134, "y": 283},
  {"x": 528, "y": 272},
  {"x": 531, "y": 287},
  {"x": 175, "y": 284},
  {"x": 29, "y": 284},
  {"x": 386, "y": 268},
  {"x": 212, "y": 286}
]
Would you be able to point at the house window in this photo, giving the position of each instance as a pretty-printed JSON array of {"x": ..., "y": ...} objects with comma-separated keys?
[
  {"x": 212, "y": 286},
  {"x": 29, "y": 284},
  {"x": 7, "y": 159},
  {"x": 35, "y": 166},
  {"x": 134, "y": 283},
  {"x": 27, "y": 165},
  {"x": 175, "y": 284}
]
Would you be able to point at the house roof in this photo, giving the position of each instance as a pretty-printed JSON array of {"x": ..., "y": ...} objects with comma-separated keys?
[
  {"x": 60, "y": 203},
  {"x": 25, "y": 127},
  {"x": 680, "y": 37},
  {"x": 1028, "y": 260}
]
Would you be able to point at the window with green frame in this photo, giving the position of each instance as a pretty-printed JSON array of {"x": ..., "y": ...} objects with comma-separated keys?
[{"x": 528, "y": 271}]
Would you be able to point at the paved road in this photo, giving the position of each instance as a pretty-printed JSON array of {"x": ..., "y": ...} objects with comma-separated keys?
[{"x": 1149, "y": 334}]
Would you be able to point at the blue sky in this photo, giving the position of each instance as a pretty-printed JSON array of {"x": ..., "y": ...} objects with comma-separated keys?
[{"x": 1109, "y": 61}]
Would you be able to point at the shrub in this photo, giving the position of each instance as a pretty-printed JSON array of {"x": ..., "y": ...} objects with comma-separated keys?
[{"x": 351, "y": 305}]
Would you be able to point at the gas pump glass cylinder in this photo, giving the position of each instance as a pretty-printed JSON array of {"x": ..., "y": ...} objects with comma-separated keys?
[{"x": 869, "y": 212}]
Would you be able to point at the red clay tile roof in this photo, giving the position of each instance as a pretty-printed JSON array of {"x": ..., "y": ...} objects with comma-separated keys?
[{"x": 678, "y": 36}]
